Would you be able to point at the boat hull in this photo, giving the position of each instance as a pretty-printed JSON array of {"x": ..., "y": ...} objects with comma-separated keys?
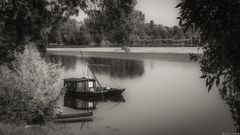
[
  {"x": 86, "y": 94},
  {"x": 103, "y": 93},
  {"x": 113, "y": 92}
]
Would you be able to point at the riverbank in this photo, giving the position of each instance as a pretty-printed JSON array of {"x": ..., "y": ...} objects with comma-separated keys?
[
  {"x": 48, "y": 129},
  {"x": 181, "y": 50}
]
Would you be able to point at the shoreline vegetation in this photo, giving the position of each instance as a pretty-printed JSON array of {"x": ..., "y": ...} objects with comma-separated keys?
[
  {"x": 30, "y": 89},
  {"x": 47, "y": 129},
  {"x": 139, "y": 32},
  {"x": 136, "y": 43}
]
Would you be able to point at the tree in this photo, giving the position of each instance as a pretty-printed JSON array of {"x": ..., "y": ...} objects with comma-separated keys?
[
  {"x": 177, "y": 33},
  {"x": 110, "y": 18},
  {"x": 218, "y": 22},
  {"x": 69, "y": 30},
  {"x": 136, "y": 21},
  {"x": 94, "y": 24},
  {"x": 29, "y": 21},
  {"x": 84, "y": 36}
]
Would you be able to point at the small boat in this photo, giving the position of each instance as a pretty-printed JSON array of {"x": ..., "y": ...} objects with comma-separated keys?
[
  {"x": 125, "y": 48},
  {"x": 66, "y": 116},
  {"x": 87, "y": 87},
  {"x": 71, "y": 118}
]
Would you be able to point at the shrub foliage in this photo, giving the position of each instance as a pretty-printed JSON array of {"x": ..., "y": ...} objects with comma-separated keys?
[{"x": 29, "y": 87}]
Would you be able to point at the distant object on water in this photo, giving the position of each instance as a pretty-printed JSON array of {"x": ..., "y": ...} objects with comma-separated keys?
[
  {"x": 126, "y": 49},
  {"x": 123, "y": 49}
]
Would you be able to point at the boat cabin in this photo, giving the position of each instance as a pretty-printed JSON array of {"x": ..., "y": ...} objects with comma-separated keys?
[{"x": 84, "y": 84}]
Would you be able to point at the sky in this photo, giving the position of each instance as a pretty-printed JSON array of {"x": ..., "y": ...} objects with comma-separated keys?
[{"x": 160, "y": 11}]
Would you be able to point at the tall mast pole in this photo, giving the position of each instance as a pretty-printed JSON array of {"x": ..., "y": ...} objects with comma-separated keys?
[{"x": 91, "y": 70}]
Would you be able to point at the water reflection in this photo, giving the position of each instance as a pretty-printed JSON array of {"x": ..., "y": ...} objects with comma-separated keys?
[
  {"x": 90, "y": 103},
  {"x": 69, "y": 62},
  {"x": 119, "y": 68},
  {"x": 168, "y": 97},
  {"x": 79, "y": 104},
  {"x": 116, "y": 68}
]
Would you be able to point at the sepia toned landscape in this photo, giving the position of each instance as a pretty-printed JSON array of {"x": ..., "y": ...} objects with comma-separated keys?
[{"x": 119, "y": 67}]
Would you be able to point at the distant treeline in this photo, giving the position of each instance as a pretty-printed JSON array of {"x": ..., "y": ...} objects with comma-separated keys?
[
  {"x": 137, "y": 43},
  {"x": 88, "y": 33}
]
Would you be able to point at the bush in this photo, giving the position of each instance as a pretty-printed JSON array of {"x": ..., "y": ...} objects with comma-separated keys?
[{"x": 29, "y": 87}]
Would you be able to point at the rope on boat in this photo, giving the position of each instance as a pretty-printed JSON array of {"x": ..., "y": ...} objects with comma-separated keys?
[
  {"x": 86, "y": 62},
  {"x": 83, "y": 69}
]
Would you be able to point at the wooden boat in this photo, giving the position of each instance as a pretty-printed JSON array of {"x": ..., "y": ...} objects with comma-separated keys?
[
  {"x": 65, "y": 116},
  {"x": 86, "y": 87},
  {"x": 70, "y": 118},
  {"x": 73, "y": 120},
  {"x": 125, "y": 48}
]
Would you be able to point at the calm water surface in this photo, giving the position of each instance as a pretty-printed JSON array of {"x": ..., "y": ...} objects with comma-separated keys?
[{"x": 164, "y": 96}]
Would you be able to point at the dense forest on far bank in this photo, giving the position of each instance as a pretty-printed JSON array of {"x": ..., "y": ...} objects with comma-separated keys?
[{"x": 72, "y": 33}]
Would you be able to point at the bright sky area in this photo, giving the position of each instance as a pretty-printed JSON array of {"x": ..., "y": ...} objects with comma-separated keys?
[{"x": 160, "y": 11}]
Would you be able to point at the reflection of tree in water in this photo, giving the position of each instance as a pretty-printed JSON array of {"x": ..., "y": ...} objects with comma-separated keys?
[
  {"x": 119, "y": 68},
  {"x": 69, "y": 62}
]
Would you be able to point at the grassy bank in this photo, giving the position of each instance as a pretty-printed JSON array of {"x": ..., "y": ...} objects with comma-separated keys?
[{"x": 48, "y": 129}]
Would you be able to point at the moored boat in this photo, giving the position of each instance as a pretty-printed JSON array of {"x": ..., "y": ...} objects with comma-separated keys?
[{"x": 87, "y": 87}]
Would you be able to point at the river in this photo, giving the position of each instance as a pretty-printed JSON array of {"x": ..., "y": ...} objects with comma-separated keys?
[{"x": 164, "y": 96}]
